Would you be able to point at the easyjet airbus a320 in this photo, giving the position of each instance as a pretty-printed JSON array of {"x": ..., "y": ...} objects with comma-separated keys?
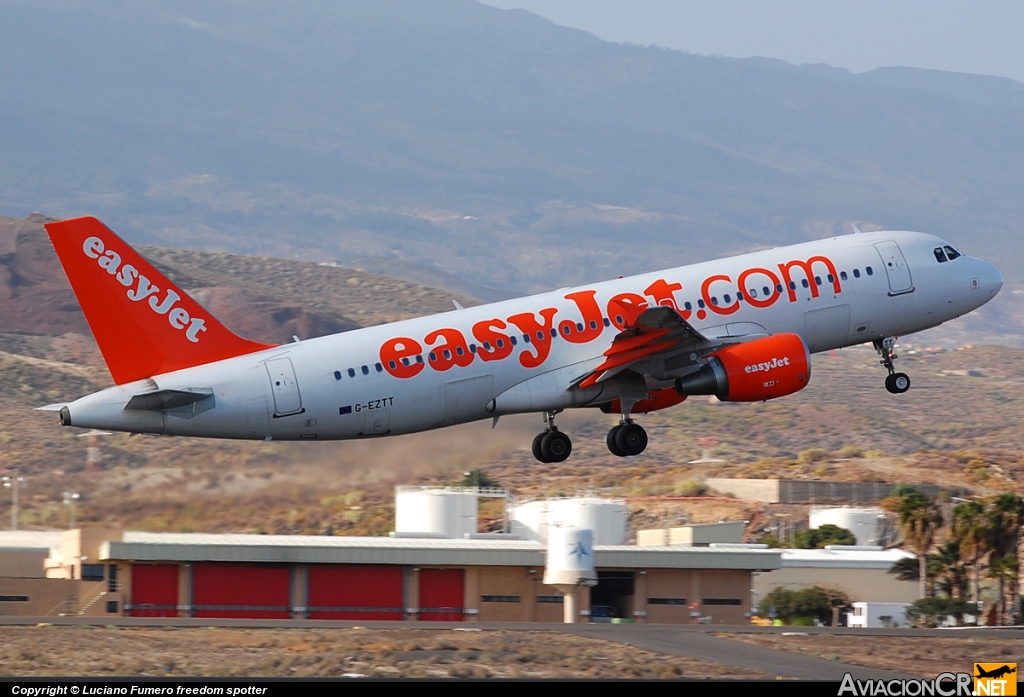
[{"x": 741, "y": 328}]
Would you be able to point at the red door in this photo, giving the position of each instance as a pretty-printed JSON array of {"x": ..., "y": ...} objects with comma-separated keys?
[
  {"x": 441, "y": 594},
  {"x": 257, "y": 591},
  {"x": 355, "y": 592},
  {"x": 154, "y": 590}
]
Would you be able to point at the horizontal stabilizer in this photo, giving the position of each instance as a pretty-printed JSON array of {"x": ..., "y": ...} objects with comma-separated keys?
[
  {"x": 167, "y": 399},
  {"x": 51, "y": 407}
]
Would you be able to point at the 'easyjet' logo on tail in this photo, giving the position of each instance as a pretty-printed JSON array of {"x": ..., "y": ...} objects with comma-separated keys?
[{"x": 140, "y": 288}]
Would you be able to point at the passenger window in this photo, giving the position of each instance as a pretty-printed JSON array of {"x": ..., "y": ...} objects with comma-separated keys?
[
  {"x": 778, "y": 288},
  {"x": 700, "y": 303},
  {"x": 392, "y": 364},
  {"x": 940, "y": 256},
  {"x": 379, "y": 367},
  {"x": 566, "y": 330},
  {"x": 487, "y": 346},
  {"x": 501, "y": 343},
  {"x": 526, "y": 338},
  {"x": 817, "y": 280},
  {"x": 951, "y": 253},
  {"x": 472, "y": 348},
  {"x": 766, "y": 291},
  {"x": 447, "y": 354},
  {"x": 805, "y": 284},
  {"x": 856, "y": 273},
  {"x": 831, "y": 278},
  {"x": 792, "y": 285},
  {"x": 728, "y": 298},
  {"x": 433, "y": 356},
  {"x": 419, "y": 359},
  {"x": 714, "y": 300},
  {"x": 351, "y": 372},
  {"x": 512, "y": 340},
  {"x": 753, "y": 293},
  {"x": 593, "y": 324},
  {"x": 366, "y": 370},
  {"x": 579, "y": 327},
  {"x": 405, "y": 362},
  {"x": 687, "y": 305},
  {"x": 607, "y": 322},
  {"x": 337, "y": 375},
  {"x": 870, "y": 272},
  {"x": 842, "y": 275},
  {"x": 540, "y": 336},
  {"x": 619, "y": 320},
  {"x": 554, "y": 332},
  {"x": 459, "y": 350}
]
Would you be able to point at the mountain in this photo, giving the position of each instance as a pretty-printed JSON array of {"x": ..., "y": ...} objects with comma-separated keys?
[{"x": 486, "y": 144}]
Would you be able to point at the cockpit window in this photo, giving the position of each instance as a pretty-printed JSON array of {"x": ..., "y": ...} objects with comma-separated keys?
[
  {"x": 940, "y": 255},
  {"x": 951, "y": 253}
]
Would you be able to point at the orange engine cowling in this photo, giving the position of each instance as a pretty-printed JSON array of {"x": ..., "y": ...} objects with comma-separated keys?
[
  {"x": 755, "y": 371},
  {"x": 655, "y": 400}
]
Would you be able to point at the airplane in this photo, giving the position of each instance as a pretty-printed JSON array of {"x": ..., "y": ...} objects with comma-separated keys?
[
  {"x": 742, "y": 328},
  {"x": 995, "y": 672}
]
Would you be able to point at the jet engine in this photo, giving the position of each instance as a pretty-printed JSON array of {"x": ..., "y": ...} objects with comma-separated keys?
[{"x": 755, "y": 371}]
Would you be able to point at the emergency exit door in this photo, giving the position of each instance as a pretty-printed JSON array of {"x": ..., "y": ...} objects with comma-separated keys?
[{"x": 896, "y": 267}]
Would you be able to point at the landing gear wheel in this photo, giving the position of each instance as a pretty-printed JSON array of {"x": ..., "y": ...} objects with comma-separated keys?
[
  {"x": 897, "y": 383},
  {"x": 555, "y": 446},
  {"x": 612, "y": 445},
  {"x": 538, "y": 450},
  {"x": 631, "y": 439}
]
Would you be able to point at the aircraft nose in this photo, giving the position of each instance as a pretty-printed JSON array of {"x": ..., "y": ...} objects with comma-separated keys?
[{"x": 991, "y": 279}]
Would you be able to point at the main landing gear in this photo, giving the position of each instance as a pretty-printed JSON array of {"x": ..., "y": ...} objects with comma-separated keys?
[
  {"x": 627, "y": 439},
  {"x": 897, "y": 383},
  {"x": 551, "y": 445}
]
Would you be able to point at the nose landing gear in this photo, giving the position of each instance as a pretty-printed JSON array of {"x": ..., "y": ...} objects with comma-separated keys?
[
  {"x": 551, "y": 445},
  {"x": 896, "y": 383}
]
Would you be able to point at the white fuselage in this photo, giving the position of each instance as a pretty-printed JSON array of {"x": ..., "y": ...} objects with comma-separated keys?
[{"x": 345, "y": 386}]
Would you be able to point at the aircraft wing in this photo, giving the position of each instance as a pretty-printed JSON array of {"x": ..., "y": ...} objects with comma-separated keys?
[{"x": 658, "y": 332}]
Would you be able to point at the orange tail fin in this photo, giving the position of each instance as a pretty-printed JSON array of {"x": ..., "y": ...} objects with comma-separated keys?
[{"x": 144, "y": 324}]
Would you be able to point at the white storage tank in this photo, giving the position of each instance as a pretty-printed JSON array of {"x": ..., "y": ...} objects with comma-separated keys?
[
  {"x": 529, "y": 521},
  {"x": 862, "y": 522},
  {"x": 606, "y": 518},
  {"x": 435, "y": 512}
]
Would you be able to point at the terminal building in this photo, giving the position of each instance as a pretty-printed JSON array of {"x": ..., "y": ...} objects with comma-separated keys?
[{"x": 434, "y": 567}]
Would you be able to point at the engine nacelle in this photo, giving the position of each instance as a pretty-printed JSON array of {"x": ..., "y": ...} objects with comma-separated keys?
[
  {"x": 655, "y": 400},
  {"x": 755, "y": 371}
]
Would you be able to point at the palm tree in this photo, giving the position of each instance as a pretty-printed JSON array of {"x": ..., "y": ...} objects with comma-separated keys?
[
  {"x": 1006, "y": 515},
  {"x": 919, "y": 520},
  {"x": 946, "y": 567},
  {"x": 973, "y": 533}
]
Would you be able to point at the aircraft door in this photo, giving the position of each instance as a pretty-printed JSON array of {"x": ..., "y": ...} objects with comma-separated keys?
[
  {"x": 896, "y": 267},
  {"x": 467, "y": 399},
  {"x": 285, "y": 387}
]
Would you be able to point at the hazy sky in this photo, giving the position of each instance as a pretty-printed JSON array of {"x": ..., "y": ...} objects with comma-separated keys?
[{"x": 983, "y": 37}]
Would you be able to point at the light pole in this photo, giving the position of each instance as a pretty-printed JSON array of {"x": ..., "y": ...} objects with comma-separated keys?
[
  {"x": 69, "y": 500},
  {"x": 14, "y": 482}
]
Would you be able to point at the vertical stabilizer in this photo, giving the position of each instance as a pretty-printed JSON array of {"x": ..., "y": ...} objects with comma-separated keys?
[{"x": 144, "y": 324}]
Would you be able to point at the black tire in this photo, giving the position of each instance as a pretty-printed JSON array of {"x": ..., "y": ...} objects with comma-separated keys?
[
  {"x": 556, "y": 446},
  {"x": 889, "y": 384},
  {"x": 612, "y": 445},
  {"x": 900, "y": 383},
  {"x": 538, "y": 451},
  {"x": 631, "y": 439}
]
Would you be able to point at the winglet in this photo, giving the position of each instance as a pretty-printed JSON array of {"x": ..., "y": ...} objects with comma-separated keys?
[{"x": 144, "y": 324}]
